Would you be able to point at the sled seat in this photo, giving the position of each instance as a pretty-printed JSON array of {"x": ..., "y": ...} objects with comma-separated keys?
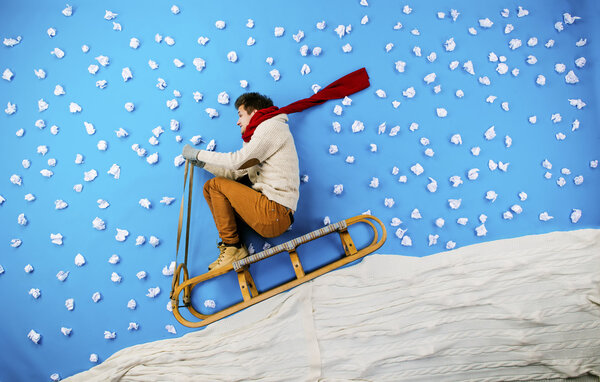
[{"x": 290, "y": 246}]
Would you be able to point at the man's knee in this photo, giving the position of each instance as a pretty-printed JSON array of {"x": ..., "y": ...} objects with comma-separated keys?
[{"x": 212, "y": 184}]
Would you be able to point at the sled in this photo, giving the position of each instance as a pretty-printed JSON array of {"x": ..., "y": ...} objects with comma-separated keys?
[{"x": 182, "y": 283}]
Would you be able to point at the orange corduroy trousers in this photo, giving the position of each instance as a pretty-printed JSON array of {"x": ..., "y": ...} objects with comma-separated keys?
[{"x": 228, "y": 198}]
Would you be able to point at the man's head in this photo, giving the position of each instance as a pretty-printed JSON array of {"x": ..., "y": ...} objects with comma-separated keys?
[{"x": 247, "y": 104}]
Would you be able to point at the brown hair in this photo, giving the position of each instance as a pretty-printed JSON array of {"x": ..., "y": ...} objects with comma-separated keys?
[{"x": 253, "y": 101}]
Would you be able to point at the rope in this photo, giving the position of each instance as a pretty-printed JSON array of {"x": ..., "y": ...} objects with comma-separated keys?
[
  {"x": 189, "y": 210},
  {"x": 187, "y": 164}
]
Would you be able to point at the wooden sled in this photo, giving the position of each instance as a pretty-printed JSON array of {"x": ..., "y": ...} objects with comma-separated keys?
[{"x": 251, "y": 295}]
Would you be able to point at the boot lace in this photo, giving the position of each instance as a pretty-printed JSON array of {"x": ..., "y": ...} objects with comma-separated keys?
[{"x": 222, "y": 248}]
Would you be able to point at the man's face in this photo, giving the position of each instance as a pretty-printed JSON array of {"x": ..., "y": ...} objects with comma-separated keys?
[{"x": 244, "y": 119}]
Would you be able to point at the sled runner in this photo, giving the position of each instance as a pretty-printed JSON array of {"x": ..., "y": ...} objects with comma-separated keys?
[{"x": 250, "y": 294}]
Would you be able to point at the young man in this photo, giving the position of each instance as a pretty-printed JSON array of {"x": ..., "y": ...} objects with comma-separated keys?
[{"x": 268, "y": 162}]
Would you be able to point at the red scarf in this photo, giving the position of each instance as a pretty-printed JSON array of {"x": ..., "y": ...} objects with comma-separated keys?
[{"x": 349, "y": 84}]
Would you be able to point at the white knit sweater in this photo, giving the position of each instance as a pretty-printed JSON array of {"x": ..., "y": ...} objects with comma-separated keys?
[{"x": 277, "y": 175}]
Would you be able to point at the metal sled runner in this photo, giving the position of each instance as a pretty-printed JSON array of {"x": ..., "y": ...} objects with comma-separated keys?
[{"x": 183, "y": 283}]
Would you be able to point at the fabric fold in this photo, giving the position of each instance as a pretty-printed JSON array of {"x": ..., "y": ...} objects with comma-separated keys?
[{"x": 509, "y": 310}]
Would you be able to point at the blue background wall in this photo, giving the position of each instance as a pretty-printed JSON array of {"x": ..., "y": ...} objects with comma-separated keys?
[{"x": 469, "y": 116}]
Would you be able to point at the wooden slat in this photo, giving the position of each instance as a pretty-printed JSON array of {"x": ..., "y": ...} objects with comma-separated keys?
[
  {"x": 250, "y": 282},
  {"x": 296, "y": 264},
  {"x": 348, "y": 243},
  {"x": 243, "y": 286}
]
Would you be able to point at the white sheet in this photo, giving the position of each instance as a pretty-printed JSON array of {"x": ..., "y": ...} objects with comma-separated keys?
[{"x": 516, "y": 309}]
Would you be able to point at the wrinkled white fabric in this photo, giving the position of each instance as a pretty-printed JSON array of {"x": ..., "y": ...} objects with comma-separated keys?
[{"x": 514, "y": 309}]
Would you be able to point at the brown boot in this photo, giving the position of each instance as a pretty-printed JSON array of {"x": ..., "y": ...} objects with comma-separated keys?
[
  {"x": 229, "y": 255},
  {"x": 221, "y": 247}
]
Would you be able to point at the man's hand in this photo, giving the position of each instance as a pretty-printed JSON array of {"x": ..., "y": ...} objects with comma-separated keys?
[{"x": 190, "y": 153}]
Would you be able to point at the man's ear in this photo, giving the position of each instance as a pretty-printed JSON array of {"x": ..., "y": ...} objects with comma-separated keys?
[{"x": 251, "y": 114}]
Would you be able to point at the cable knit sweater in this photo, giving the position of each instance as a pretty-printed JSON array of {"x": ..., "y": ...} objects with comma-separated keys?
[{"x": 277, "y": 175}]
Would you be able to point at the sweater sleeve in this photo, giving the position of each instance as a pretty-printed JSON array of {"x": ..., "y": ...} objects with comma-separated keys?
[
  {"x": 266, "y": 140},
  {"x": 220, "y": 171}
]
